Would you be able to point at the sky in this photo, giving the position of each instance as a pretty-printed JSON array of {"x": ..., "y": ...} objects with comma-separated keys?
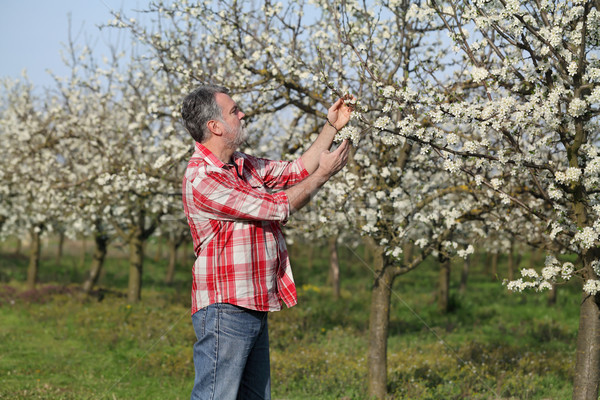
[{"x": 33, "y": 32}]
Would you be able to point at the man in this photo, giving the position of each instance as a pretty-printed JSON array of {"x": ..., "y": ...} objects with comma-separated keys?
[{"x": 235, "y": 205}]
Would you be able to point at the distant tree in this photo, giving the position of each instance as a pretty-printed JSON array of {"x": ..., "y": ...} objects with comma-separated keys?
[{"x": 31, "y": 167}]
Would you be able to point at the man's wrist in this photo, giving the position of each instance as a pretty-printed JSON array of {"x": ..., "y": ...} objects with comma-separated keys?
[
  {"x": 332, "y": 125},
  {"x": 321, "y": 175}
]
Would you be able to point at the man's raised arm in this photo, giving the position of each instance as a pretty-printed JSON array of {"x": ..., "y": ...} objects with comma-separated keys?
[{"x": 329, "y": 164}]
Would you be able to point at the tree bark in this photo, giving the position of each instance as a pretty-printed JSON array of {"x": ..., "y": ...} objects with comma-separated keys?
[
  {"x": 443, "y": 299},
  {"x": 34, "y": 260},
  {"x": 101, "y": 242},
  {"x": 136, "y": 264},
  {"x": 587, "y": 364},
  {"x": 334, "y": 267},
  {"x": 379, "y": 326}
]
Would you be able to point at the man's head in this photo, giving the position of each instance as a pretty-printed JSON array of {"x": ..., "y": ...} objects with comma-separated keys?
[
  {"x": 209, "y": 109},
  {"x": 230, "y": 128}
]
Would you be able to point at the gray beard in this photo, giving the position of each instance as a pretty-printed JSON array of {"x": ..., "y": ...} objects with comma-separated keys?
[{"x": 240, "y": 136}]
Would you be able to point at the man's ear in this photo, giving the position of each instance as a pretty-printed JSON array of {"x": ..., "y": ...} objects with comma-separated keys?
[{"x": 215, "y": 127}]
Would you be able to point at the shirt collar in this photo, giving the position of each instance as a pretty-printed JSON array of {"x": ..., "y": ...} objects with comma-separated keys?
[{"x": 208, "y": 155}]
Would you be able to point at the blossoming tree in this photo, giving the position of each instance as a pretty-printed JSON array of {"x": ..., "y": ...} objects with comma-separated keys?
[
  {"x": 32, "y": 167},
  {"x": 526, "y": 126},
  {"x": 396, "y": 199}
]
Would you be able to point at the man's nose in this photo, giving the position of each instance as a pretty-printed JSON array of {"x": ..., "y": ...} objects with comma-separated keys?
[{"x": 241, "y": 115}]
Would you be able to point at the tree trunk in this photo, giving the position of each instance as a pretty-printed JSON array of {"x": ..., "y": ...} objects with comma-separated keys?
[
  {"x": 60, "y": 247},
  {"x": 98, "y": 257},
  {"x": 495, "y": 265},
  {"x": 334, "y": 267},
  {"x": 587, "y": 365},
  {"x": 465, "y": 274},
  {"x": 379, "y": 326},
  {"x": 443, "y": 299},
  {"x": 552, "y": 296},
  {"x": 172, "y": 249},
  {"x": 34, "y": 260},
  {"x": 136, "y": 264}
]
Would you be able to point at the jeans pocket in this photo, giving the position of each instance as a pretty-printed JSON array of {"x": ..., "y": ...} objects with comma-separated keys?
[
  {"x": 199, "y": 322},
  {"x": 238, "y": 322}
]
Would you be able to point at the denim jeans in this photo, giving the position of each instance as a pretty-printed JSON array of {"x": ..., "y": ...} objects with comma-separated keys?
[{"x": 231, "y": 355}]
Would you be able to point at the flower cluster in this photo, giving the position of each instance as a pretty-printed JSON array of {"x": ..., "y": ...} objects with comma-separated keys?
[
  {"x": 383, "y": 122},
  {"x": 552, "y": 272},
  {"x": 348, "y": 132},
  {"x": 586, "y": 237},
  {"x": 571, "y": 175},
  {"x": 592, "y": 287}
]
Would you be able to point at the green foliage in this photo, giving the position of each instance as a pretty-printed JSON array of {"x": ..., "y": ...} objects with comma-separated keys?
[{"x": 56, "y": 343}]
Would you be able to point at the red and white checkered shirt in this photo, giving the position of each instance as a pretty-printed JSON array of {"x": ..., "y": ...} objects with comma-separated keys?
[{"x": 235, "y": 220}]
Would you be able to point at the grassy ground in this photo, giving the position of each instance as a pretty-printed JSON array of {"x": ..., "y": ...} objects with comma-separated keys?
[{"x": 55, "y": 344}]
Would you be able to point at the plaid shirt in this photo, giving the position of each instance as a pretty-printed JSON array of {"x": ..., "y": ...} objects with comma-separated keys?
[{"x": 235, "y": 222}]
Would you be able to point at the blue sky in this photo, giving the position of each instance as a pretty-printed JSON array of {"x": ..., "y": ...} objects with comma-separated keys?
[{"x": 33, "y": 32}]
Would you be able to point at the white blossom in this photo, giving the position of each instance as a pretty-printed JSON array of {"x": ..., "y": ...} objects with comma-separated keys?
[
  {"x": 586, "y": 237},
  {"x": 577, "y": 107},
  {"x": 571, "y": 175},
  {"x": 529, "y": 273},
  {"x": 479, "y": 74},
  {"x": 591, "y": 287},
  {"x": 383, "y": 122}
]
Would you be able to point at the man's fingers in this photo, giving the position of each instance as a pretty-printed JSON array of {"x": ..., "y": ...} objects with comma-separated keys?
[
  {"x": 337, "y": 104},
  {"x": 343, "y": 147}
]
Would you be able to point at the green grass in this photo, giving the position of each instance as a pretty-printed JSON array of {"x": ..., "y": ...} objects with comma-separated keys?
[{"x": 56, "y": 344}]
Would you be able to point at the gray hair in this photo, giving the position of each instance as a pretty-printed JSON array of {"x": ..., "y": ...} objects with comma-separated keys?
[{"x": 199, "y": 107}]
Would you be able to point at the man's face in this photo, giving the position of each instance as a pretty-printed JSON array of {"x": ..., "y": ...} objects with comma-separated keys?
[{"x": 235, "y": 134}]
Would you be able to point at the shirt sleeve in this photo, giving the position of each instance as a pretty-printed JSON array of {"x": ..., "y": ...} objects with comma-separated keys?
[
  {"x": 220, "y": 196},
  {"x": 279, "y": 175}
]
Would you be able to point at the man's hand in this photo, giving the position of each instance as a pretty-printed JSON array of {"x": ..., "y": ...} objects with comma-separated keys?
[
  {"x": 338, "y": 116},
  {"x": 339, "y": 113},
  {"x": 330, "y": 163}
]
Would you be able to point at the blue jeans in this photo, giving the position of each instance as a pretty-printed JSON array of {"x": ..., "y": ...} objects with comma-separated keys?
[{"x": 231, "y": 355}]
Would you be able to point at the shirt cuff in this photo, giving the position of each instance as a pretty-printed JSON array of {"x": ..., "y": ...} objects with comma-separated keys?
[
  {"x": 303, "y": 172},
  {"x": 283, "y": 205}
]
